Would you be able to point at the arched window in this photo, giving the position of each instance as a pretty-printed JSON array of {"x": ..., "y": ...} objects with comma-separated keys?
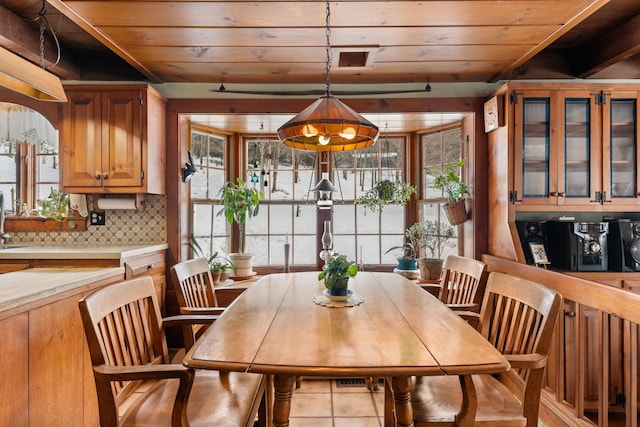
[{"x": 29, "y": 165}]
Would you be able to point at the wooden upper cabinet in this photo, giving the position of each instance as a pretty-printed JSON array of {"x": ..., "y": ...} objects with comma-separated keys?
[
  {"x": 575, "y": 148},
  {"x": 581, "y": 147},
  {"x": 113, "y": 140},
  {"x": 535, "y": 148},
  {"x": 620, "y": 129}
]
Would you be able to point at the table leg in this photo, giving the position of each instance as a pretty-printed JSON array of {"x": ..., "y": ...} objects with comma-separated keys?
[
  {"x": 401, "y": 387},
  {"x": 467, "y": 414},
  {"x": 283, "y": 385}
]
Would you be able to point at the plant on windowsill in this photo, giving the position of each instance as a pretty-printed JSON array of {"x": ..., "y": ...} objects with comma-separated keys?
[
  {"x": 218, "y": 264},
  {"x": 407, "y": 258},
  {"x": 239, "y": 202},
  {"x": 448, "y": 179},
  {"x": 433, "y": 236},
  {"x": 336, "y": 274},
  {"x": 56, "y": 205},
  {"x": 385, "y": 192}
]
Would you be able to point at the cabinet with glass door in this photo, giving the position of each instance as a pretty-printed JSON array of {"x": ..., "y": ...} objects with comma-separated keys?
[
  {"x": 620, "y": 127},
  {"x": 580, "y": 159},
  {"x": 535, "y": 149},
  {"x": 575, "y": 148}
]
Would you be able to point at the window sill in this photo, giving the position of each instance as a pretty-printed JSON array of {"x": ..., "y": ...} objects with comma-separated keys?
[{"x": 36, "y": 223}]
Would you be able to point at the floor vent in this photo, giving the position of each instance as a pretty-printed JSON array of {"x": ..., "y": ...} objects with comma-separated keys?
[{"x": 354, "y": 382}]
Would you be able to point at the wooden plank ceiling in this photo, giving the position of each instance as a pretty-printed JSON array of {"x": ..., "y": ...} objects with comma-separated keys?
[{"x": 281, "y": 43}]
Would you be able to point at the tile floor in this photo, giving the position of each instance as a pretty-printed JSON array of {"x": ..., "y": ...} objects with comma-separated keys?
[{"x": 322, "y": 403}]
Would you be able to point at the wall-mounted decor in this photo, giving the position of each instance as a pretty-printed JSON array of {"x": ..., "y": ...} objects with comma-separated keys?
[{"x": 493, "y": 113}]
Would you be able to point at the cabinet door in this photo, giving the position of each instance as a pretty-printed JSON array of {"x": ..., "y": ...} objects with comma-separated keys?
[
  {"x": 535, "y": 150},
  {"x": 620, "y": 159},
  {"x": 122, "y": 139},
  {"x": 81, "y": 140},
  {"x": 580, "y": 155}
]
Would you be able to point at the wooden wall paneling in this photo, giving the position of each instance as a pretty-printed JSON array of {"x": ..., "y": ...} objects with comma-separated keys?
[
  {"x": 500, "y": 242},
  {"x": 599, "y": 347},
  {"x": 91, "y": 417},
  {"x": 14, "y": 387},
  {"x": 56, "y": 357}
]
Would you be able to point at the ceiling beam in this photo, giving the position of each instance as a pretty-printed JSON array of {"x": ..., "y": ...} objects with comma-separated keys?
[
  {"x": 508, "y": 73},
  {"x": 620, "y": 43},
  {"x": 20, "y": 38},
  {"x": 103, "y": 38}
]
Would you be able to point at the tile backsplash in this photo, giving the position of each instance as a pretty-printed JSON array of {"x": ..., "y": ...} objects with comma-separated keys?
[{"x": 123, "y": 227}]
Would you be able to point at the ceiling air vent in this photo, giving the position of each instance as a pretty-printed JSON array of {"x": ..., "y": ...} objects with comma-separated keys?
[{"x": 353, "y": 56}]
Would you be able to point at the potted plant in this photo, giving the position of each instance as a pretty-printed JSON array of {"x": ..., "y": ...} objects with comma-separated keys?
[
  {"x": 385, "y": 192},
  {"x": 239, "y": 203},
  {"x": 336, "y": 274},
  {"x": 56, "y": 205},
  {"x": 218, "y": 264},
  {"x": 407, "y": 258},
  {"x": 448, "y": 179},
  {"x": 433, "y": 237}
]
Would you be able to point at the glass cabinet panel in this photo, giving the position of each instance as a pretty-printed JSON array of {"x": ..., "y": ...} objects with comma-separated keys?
[
  {"x": 535, "y": 147},
  {"x": 622, "y": 166},
  {"x": 577, "y": 147}
]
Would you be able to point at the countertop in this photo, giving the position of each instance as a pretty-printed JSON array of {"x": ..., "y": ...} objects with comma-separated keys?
[
  {"x": 27, "y": 286},
  {"x": 26, "y": 251}
]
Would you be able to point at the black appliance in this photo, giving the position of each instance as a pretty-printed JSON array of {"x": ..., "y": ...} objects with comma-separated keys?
[
  {"x": 531, "y": 232},
  {"x": 624, "y": 245},
  {"x": 578, "y": 246}
]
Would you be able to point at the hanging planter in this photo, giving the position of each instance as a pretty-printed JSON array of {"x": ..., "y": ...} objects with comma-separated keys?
[
  {"x": 385, "y": 192},
  {"x": 456, "y": 212},
  {"x": 448, "y": 179}
]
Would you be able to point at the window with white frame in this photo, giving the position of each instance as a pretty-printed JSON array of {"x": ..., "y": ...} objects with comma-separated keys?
[
  {"x": 359, "y": 233},
  {"x": 438, "y": 149}
]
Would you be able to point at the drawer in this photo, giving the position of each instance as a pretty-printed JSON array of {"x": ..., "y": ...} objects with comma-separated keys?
[{"x": 152, "y": 264}]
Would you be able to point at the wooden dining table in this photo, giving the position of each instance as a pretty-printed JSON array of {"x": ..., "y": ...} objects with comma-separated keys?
[{"x": 278, "y": 327}]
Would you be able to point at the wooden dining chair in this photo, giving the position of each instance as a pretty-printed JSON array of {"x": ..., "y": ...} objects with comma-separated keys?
[
  {"x": 194, "y": 287},
  {"x": 518, "y": 317},
  {"x": 195, "y": 292},
  {"x": 462, "y": 285},
  {"x": 135, "y": 381}
]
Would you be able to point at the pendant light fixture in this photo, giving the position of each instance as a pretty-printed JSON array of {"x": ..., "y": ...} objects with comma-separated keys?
[
  {"x": 328, "y": 124},
  {"x": 28, "y": 79}
]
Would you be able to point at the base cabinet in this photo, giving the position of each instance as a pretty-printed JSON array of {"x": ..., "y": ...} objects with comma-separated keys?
[
  {"x": 150, "y": 265},
  {"x": 56, "y": 365},
  {"x": 47, "y": 377},
  {"x": 147, "y": 264},
  {"x": 14, "y": 387},
  {"x": 600, "y": 331}
]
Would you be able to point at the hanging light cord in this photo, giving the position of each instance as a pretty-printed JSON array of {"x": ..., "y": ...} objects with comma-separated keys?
[
  {"x": 43, "y": 26},
  {"x": 327, "y": 32}
]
